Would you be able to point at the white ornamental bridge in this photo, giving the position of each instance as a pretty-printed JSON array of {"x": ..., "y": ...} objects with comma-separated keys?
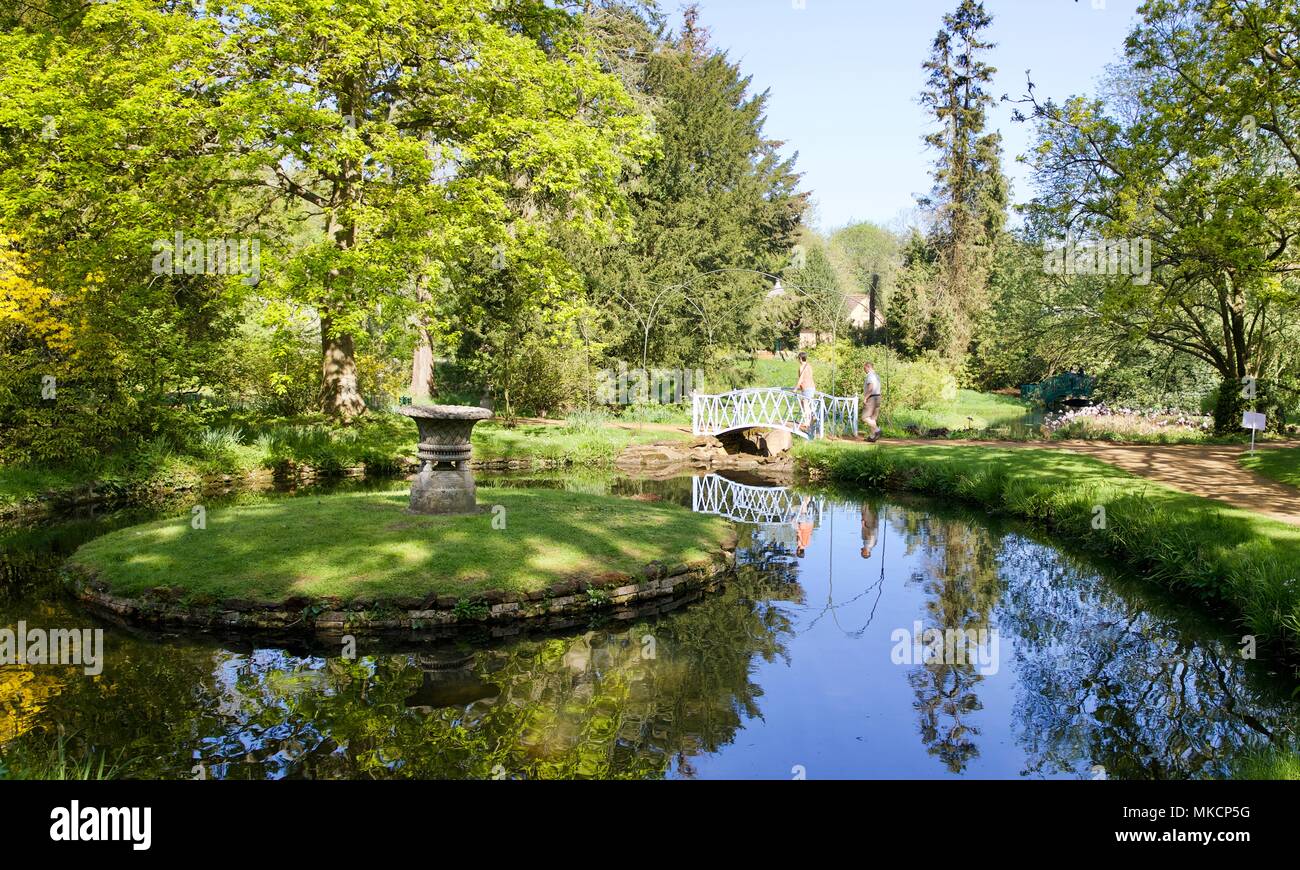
[
  {"x": 757, "y": 505},
  {"x": 773, "y": 408}
]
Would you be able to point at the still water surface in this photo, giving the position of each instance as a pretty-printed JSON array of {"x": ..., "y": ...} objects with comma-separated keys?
[{"x": 803, "y": 666}]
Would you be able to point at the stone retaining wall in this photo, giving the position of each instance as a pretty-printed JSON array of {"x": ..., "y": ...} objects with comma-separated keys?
[
  {"x": 567, "y": 603},
  {"x": 702, "y": 455}
]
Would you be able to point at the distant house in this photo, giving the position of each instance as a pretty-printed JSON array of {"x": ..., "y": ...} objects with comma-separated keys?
[
  {"x": 858, "y": 314},
  {"x": 861, "y": 313}
]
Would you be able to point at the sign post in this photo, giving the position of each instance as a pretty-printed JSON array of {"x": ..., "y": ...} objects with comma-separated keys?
[{"x": 1255, "y": 422}]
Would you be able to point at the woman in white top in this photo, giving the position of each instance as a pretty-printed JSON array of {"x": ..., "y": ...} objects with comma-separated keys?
[{"x": 807, "y": 388}]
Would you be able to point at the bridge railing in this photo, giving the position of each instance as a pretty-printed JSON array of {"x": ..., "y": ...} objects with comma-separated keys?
[
  {"x": 756, "y": 505},
  {"x": 773, "y": 408}
]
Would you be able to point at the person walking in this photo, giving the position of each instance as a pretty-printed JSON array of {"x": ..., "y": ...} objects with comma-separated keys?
[
  {"x": 803, "y": 525},
  {"x": 869, "y": 523},
  {"x": 807, "y": 389},
  {"x": 871, "y": 400}
]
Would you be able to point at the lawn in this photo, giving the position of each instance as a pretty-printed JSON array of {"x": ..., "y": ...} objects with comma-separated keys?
[
  {"x": 777, "y": 372},
  {"x": 1279, "y": 463},
  {"x": 1236, "y": 562},
  {"x": 972, "y": 410},
  {"x": 365, "y": 544},
  {"x": 19, "y": 483},
  {"x": 580, "y": 441}
]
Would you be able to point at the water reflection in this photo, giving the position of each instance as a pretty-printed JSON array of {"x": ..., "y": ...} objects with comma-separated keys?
[{"x": 794, "y": 664}]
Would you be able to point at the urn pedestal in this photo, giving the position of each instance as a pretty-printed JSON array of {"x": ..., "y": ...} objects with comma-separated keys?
[{"x": 445, "y": 483}]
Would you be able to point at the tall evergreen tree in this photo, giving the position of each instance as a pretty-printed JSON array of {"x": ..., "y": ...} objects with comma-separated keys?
[
  {"x": 970, "y": 194},
  {"x": 718, "y": 196}
]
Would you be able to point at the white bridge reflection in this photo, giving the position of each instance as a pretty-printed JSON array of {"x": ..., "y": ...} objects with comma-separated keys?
[{"x": 756, "y": 505}]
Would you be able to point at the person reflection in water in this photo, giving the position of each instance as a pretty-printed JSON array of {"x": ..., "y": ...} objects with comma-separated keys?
[
  {"x": 803, "y": 525},
  {"x": 869, "y": 524}
]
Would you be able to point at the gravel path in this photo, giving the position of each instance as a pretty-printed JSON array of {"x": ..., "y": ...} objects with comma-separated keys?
[{"x": 1210, "y": 470}]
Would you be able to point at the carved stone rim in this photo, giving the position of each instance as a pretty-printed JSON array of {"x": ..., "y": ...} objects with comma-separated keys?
[{"x": 444, "y": 412}]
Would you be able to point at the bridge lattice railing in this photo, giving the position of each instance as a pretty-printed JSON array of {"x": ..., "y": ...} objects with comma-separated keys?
[
  {"x": 773, "y": 408},
  {"x": 758, "y": 505}
]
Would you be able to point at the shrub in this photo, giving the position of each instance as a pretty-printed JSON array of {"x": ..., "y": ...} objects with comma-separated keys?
[
  {"x": 925, "y": 382},
  {"x": 586, "y": 422},
  {"x": 219, "y": 441}
]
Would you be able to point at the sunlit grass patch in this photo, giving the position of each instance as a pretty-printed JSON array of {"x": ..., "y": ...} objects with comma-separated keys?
[
  {"x": 1267, "y": 764},
  {"x": 354, "y": 544},
  {"x": 1281, "y": 464}
]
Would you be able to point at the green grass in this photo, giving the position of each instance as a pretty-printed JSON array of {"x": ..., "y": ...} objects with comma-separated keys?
[
  {"x": 56, "y": 763},
  {"x": 19, "y": 484},
  {"x": 365, "y": 544},
  {"x": 1239, "y": 564},
  {"x": 1272, "y": 764},
  {"x": 972, "y": 410},
  {"x": 1279, "y": 463},
  {"x": 580, "y": 442},
  {"x": 677, "y": 415},
  {"x": 776, "y": 372}
]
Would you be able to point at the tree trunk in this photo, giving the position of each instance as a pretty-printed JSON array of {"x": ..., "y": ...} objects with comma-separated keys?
[
  {"x": 422, "y": 369},
  {"x": 422, "y": 359},
  {"x": 339, "y": 396}
]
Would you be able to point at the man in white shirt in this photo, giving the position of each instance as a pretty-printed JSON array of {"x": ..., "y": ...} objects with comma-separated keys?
[{"x": 871, "y": 400}]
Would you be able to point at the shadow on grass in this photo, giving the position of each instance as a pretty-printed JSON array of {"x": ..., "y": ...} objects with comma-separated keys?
[{"x": 365, "y": 544}]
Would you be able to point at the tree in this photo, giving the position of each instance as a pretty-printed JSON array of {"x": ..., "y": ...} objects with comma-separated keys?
[
  {"x": 910, "y": 312},
  {"x": 1194, "y": 150},
  {"x": 817, "y": 301},
  {"x": 970, "y": 193},
  {"x": 716, "y": 201},
  {"x": 866, "y": 257},
  {"x": 423, "y": 138},
  {"x": 107, "y": 151}
]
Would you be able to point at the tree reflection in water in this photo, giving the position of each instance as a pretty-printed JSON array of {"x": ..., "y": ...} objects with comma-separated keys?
[
  {"x": 959, "y": 576},
  {"x": 1115, "y": 673},
  {"x": 1094, "y": 670}
]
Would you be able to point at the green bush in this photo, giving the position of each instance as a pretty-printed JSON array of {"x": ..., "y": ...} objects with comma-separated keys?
[
  {"x": 1227, "y": 403},
  {"x": 927, "y": 382},
  {"x": 586, "y": 422}
]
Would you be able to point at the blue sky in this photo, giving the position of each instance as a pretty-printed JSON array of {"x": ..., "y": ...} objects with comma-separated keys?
[{"x": 844, "y": 77}]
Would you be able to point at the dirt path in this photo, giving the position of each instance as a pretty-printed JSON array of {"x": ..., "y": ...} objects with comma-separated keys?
[{"x": 1210, "y": 470}]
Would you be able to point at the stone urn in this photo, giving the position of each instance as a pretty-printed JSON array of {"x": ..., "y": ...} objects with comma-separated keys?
[{"x": 445, "y": 482}]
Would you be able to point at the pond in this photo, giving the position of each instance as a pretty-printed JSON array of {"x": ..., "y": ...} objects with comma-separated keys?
[{"x": 813, "y": 662}]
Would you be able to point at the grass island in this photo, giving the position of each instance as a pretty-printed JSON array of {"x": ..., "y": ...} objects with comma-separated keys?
[{"x": 358, "y": 560}]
